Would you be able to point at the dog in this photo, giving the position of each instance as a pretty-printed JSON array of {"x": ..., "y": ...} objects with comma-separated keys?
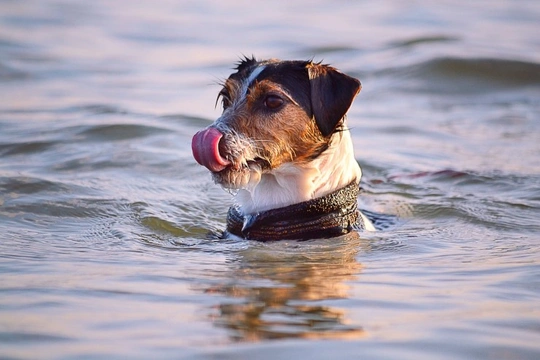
[{"x": 282, "y": 147}]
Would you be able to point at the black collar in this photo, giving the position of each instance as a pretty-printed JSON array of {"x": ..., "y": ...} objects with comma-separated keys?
[{"x": 324, "y": 217}]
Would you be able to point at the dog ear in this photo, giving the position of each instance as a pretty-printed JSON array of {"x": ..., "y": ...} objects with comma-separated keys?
[{"x": 332, "y": 93}]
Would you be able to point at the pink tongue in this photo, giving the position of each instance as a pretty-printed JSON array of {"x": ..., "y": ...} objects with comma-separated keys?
[{"x": 205, "y": 147}]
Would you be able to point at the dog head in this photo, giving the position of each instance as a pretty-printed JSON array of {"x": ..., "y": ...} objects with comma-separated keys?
[{"x": 274, "y": 112}]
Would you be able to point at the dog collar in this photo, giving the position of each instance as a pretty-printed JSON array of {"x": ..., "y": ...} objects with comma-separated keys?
[{"x": 324, "y": 217}]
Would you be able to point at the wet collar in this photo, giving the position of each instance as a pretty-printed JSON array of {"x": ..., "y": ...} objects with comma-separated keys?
[{"x": 324, "y": 217}]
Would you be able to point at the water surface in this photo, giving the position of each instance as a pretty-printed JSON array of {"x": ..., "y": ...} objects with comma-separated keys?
[{"x": 106, "y": 222}]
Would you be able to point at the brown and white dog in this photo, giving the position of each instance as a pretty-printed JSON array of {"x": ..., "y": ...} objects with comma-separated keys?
[{"x": 281, "y": 145}]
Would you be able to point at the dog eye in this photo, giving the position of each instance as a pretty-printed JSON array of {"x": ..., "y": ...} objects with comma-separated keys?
[{"x": 273, "y": 102}]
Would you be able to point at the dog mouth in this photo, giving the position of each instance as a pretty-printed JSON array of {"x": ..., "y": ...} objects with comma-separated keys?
[{"x": 233, "y": 163}]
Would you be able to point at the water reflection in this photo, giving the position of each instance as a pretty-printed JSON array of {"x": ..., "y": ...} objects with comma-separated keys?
[{"x": 283, "y": 290}]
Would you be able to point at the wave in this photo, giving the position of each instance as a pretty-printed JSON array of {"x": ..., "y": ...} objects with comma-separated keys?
[
  {"x": 494, "y": 200},
  {"x": 422, "y": 40},
  {"x": 450, "y": 74},
  {"x": 110, "y": 132}
]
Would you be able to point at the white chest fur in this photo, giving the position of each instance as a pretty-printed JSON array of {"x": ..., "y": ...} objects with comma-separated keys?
[{"x": 293, "y": 183}]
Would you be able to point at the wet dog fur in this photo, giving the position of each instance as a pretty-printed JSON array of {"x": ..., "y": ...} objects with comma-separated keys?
[{"x": 283, "y": 137}]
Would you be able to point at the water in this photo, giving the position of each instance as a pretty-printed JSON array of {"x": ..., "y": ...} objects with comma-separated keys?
[{"x": 106, "y": 221}]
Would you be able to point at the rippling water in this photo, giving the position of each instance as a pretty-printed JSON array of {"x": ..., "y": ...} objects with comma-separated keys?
[{"x": 106, "y": 221}]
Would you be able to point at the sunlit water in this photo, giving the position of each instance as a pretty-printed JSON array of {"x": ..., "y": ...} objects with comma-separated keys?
[{"x": 106, "y": 221}]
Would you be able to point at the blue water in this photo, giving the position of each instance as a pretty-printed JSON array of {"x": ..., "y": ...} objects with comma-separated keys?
[{"x": 106, "y": 221}]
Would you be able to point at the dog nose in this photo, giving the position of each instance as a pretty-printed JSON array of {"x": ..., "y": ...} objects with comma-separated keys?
[{"x": 205, "y": 147}]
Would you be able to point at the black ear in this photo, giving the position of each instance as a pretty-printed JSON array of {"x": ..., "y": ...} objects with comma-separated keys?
[{"x": 332, "y": 93}]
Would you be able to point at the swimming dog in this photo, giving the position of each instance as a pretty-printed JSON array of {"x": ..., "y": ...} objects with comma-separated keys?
[{"x": 282, "y": 147}]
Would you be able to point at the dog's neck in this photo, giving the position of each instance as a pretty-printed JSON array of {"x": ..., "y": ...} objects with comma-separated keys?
[{"x": 294, "y": 183}]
